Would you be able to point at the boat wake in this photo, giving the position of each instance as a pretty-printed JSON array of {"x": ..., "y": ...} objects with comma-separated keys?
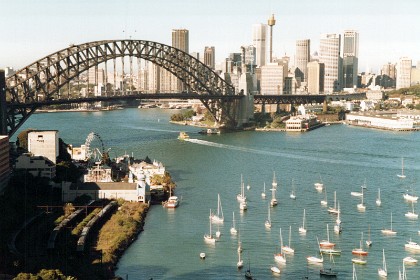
[
  {"x": 152, "y": 129},
  {"x": 280, "y": 154}
]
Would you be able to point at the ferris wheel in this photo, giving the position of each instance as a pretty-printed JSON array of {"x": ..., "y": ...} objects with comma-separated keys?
[{"x": 94, "y": 147}]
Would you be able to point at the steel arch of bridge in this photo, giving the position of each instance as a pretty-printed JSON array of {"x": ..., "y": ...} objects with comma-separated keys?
[{"x": 40, "y": 82}]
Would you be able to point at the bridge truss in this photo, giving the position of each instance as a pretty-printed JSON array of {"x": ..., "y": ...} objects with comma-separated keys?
[{"x": 39, "y": 83}]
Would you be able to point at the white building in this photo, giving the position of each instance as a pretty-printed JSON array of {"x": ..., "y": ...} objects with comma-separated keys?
[
  {"x": 147, "y": 170},
  {"x": 404, "y": 73},
  {"x": 380, "y": 121},
  {"x": 44, "y": 143},
  {"x": 38, "y": 166},
  {"x": 301, "y": 123},
  {"x": 259, "y": 37},
  {"x": 139, "y": 191},
  {"x": 329, "y": 54}
]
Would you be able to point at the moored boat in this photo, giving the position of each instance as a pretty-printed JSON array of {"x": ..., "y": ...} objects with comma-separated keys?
[{"x": 172, "y": 202}]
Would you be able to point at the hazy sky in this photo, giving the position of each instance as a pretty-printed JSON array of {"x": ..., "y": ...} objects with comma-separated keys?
[{"x": 32, "y": 29}]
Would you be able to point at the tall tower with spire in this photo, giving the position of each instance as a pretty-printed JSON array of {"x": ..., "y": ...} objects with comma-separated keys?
[{"x": 271, "y": 23}]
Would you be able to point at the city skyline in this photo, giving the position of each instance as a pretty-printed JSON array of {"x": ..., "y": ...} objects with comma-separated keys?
[{"x": 228, "y": 25}]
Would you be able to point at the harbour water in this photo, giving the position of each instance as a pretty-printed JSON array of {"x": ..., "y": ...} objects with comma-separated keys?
[{"x": 344, "y": 157}]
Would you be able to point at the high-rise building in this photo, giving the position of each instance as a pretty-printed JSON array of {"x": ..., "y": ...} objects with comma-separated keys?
[
  {"x": 272, "y": 78},
  {"x": 329, "y": 54},
  {"x": 209, "y": 57},
  {"x": 404, "y": 72},
  {"x": 316, "y": 77},
  {"x": 250, "y": 56},
  {"x": 259, "y": 35},
  {"x": 350, "y": 58},
  {"x": 388, "y": 76},
  {"x": 302, "y": 58},
  {"x": 180, "y": 39}
]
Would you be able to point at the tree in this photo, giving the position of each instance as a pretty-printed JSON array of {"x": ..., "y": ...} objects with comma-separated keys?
[{"x": 23, "y": 139}]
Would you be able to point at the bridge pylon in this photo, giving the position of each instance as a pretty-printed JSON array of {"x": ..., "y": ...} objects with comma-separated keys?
[{"x": 3, "y": 105}]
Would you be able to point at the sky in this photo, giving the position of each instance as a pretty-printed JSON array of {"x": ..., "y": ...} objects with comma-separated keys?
[{"x": 31, "y": 30}]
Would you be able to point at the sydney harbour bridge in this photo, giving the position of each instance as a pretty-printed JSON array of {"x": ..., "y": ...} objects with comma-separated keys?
[{"x": 38, "y": 84}]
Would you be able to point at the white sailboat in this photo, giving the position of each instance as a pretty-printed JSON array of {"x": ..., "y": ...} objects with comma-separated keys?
[
  {"x": 319, "y": 185},
  {"x": 382, "y": 272},
  {"x": 241, "y": 196},
  {"x": 268, "y": 221},
  {"x": 369, "y": 241},
  {"x": 337, "y": 226},
  {"x": 302, "y": 229},
  {"x": 411, "y": 214},
  {"x": 233, "y": 230},
  {"x": 273, "y": 201},
  {"x": 240, "y": 262},
  {"x": 293, "y": 193},
  {"x": 357, "y": 194},
  {"x": 288, "y": 249},
  {"x": 413, "y": 246},
  {"x": 402, "y": 176},
  {"x": 361, "y": 206},
  {"x": 324, "y": 202},
  {"x": 275, "y": 270},
  {"x": 389, "y": 231},
  {"x": 334, "y": 210},
  {"x": 410, "y": 197},
  {"x": 239, "y": 243},
  {"x": 209, "y": 237},
  {"x": 263, "y": 193},
  {"x": 218, "y": 218},
  {"x": 316, "y": 260},
  {"x": 280, "y": 257},
  {"x": 378, "y": 199},
  {"x": 218, "y": 233}
]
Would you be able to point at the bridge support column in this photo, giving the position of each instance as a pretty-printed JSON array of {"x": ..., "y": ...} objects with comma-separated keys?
[
  {"x": 3, "y": 108},
  {"x": 324, "y": 106},
  {"x": 246, "y": 104}
]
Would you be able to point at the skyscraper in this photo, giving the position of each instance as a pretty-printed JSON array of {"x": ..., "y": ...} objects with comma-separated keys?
[
  {"x": 350, "y": 58},
  {"x": 329, "y": 54},
  {"x": 302, "y": 58},
  {"x": 404, "y": 72},
  {"x": 209, "y": 57},
  {"x": 259, "y": 35},
  {"x": 316, "y": 77},
  {"x": 180, "y": 39}
]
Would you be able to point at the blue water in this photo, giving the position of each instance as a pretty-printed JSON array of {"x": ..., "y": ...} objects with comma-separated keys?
[{"x": 343, "y": 156}]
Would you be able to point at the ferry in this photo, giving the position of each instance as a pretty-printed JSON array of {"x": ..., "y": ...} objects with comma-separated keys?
[
  {"x": 172, "y": 202},
  {"x": 209, "y": 131},
  {"x": 183, "y": 136}
]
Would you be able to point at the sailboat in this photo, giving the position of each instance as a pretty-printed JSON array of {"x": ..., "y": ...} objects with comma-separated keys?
[
  {"x": 410, "y": 197},
  {"x": 248, "y": 274},
  {"x": 359, "y": 251},
  {"x": 209, "y": 237},
  {"x": 263, "y": 193},
  {"x": 382, "y": 272},
  {"x": 412, "y": 215},
  {"x": 302, "y": 229},
  {"x": 241, "y": 196},
  {"x": 219, "y": 218},
  {"x": 402, "y": 176},
  {"x": 280, "y": 257},
  {"x": 268, "y": 221},
  {"x": 334, "y": 210},
  {"x": 316, "y": 260},
  {"x": 240, "y": 262},
  {"x": 358, "y": 194},
  {"x": 287, "y": 249},
  {"x": 273, "y": 201},
  {"x": 319, "y": 185},
  {"x": 326, "y": 244},
  {"x": 233, "y": 230},
  {"x": 218, "y": 233},
  {"x": 239, "y": 243},
  {"x": 329, "y": 272},
  {"x": 389, "y": 231},
  {"x": 324, "y": 202},
  {"x": 369, "y": 241},
  {"x": 361, "y": 206},
  {"x": 293, "y": 193},
  {"x": 378, "y": 199},
  {"x": 275, "y": 270},
  {"x": 337, "y": 226}
]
